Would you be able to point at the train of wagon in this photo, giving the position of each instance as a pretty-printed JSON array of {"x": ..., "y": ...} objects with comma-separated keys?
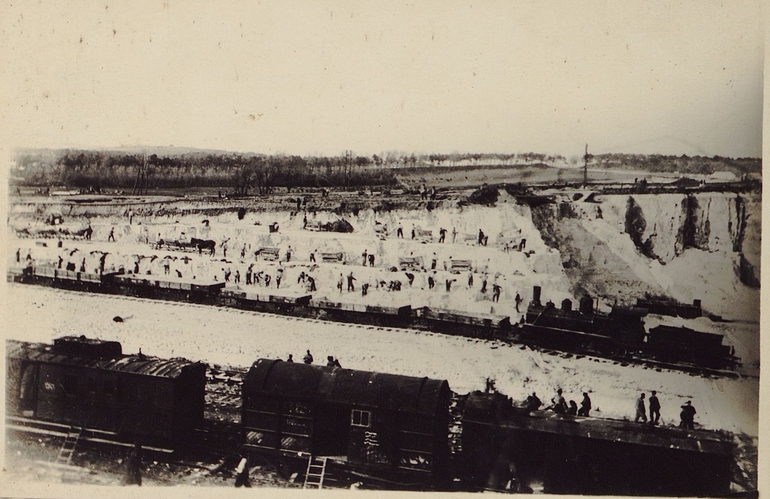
[
  {"x": 329, "y": 425},
  {"x": 619, "y": 334}
]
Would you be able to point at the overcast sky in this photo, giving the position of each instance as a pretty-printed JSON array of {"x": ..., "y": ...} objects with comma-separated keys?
[{"x": 436, "y": 76}]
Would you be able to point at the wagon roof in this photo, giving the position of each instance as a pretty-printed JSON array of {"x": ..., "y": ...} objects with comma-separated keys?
[
  {"x": 147, "y": 366},
  {"x": 297, "y": 381}
]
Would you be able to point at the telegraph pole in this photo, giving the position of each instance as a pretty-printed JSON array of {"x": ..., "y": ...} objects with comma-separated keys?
[
  {"x": 140, "y": 173},
  {"x": 348, "y": 167}
]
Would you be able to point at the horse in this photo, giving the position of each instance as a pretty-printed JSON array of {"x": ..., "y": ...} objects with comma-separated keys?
[{"x": 204, "y": 244}]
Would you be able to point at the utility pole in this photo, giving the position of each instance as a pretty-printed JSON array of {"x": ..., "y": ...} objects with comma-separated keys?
[
  {"x": 145, "y": 175},
  {"x": 139, "y": 181},
  {"x": 348, "y": 167},
  {"x": 585, "y": 168}
]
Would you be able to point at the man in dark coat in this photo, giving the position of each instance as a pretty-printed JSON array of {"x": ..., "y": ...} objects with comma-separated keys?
[
  {"x": 585, "y": 405},
  {"x": 242, "y": 474},
  {"x": 640, "y": 412},
  {"x": 533, "y": 402},
  {"x": 134, "y": 467},
  {"x": 496, "y": 289},
  {"x": 687, "y": 416},
  {"x": 654, "y": 408},
  {"x": 308, "y": 358}
]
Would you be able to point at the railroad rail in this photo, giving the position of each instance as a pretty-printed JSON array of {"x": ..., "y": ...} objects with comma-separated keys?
[
  {"x": 411, "y": 319},
  {"x": 51, "y": 429}
]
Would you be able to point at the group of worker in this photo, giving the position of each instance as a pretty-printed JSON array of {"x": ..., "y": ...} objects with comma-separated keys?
[
  {"x": 686, "y": 416},
  {"x": 331, "y": 361},
  {"x": 560, "y": 406}
]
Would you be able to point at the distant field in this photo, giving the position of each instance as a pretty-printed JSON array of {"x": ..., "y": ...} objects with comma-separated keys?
[{"x": 474, "y": 176}]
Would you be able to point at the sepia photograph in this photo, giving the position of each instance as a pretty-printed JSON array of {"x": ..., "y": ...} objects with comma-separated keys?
[{"x": 444, "y": 247}]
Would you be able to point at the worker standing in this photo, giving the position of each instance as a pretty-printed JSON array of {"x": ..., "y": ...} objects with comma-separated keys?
[
  {"x": 242, "y": 474},
  {"x": 496, "y": 289},
  {"x": 134, "y": 467},
  {"x": 687, "y": 416},
  {"x": 308, "y": 358},
  {"x": 641, "y": 413},
  {"x": 654, "y": 408},
  {"x": 585, "y": 405}
]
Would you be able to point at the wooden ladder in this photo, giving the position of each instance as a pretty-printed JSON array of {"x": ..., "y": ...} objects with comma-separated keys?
[
  {"x": 316, "y": 470},
  {"x": 68, "y": 447}
]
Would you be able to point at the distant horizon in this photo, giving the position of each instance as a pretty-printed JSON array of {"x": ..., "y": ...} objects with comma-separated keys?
[{"x": 147, "y": 148}]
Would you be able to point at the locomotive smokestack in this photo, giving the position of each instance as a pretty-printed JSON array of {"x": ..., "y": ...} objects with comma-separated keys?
[
  {"x": 586, "y": 305},
  {"x": 536, "y": 296}
]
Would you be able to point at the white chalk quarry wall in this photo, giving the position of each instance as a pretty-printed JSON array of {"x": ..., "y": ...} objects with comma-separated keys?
[
  {"x": 710, "y": 271},
  {"x": 514, "y": 271},
  {"x": 717, "y": 221}
]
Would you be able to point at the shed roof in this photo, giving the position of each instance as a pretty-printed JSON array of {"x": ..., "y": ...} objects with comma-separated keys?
[{"x": 288, "y": 380}]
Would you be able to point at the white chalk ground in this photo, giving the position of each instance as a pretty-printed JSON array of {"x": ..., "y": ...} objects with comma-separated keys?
[{"x": 232, "y": 337}]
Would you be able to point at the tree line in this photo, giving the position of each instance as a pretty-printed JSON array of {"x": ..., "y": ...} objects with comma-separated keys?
[
  {"x": 259, "y": 174},
  {"x": 681, "y": 164},
  {"x": 242, "y": 174}
]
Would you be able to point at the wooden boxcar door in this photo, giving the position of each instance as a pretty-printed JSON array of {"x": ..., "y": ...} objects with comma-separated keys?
[
  {"x": 332, "y": 428},
  {"x": 28, "y": 390}
]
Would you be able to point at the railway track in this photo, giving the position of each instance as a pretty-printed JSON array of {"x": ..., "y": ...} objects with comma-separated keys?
[
  {"x": 510, "y": 338},
  {"x": 59, "y": 430}
]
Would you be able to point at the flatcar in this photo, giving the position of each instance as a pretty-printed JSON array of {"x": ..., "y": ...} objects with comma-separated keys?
[
  {"x": 166, "y": 288},
  {"x": 508, "y": 448},
  {"x": 620, "y": 334},
  {"x": 90, "y": 384},
  {"x": 462, "y": 323}
]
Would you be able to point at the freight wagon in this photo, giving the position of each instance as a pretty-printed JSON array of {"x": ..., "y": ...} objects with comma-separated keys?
[
  {"x": 90, "y": 384},
  {"x": 387, "y": 425},
  {"x": 386, "y": 430}
]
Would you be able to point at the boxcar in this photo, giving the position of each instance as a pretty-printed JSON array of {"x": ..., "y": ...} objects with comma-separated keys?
[
  {"x": 383, "y": 425},
  {"x": 90, "y": 384}
]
